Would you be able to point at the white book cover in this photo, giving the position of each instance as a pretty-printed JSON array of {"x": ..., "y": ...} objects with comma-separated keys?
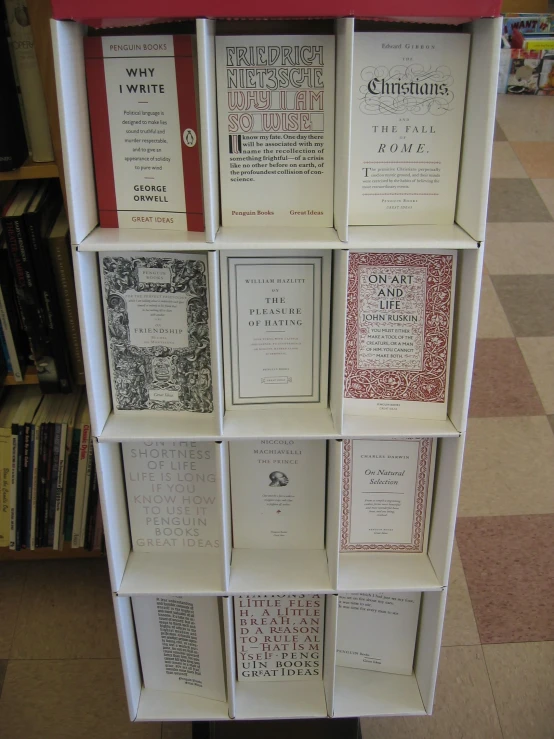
[
  {"x": 399, "y": 312},
  {"x": 275, "y": 100},
  {"x": 279, "y": 637},
  {"x": 173, "y": 496},
  {"x": 181, "y": 644},
  {"x": 275, "y": 309},
  {"x": 407, "y": 117},
  {"x": 157, "y": 326},
  {"x": 278, "y": 493},
  {"x": 377, "y": 631},
  {"x": 387, "y": 489}
]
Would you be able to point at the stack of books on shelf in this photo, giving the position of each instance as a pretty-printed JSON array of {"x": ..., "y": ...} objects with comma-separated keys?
[
  {"x": 49, "y": 488},
  {"x": 24, "y": 128},
  {"x": 278, "y": 283},
  {"x": 38, "y": 307}
]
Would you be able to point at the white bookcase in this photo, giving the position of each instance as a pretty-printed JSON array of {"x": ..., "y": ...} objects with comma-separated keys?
[{"x": 343, "y": 692}]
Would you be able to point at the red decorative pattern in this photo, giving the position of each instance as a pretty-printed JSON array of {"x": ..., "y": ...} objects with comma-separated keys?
[
  {"x": 428, "y": 384},
  {"x": 420, "y": 502}
]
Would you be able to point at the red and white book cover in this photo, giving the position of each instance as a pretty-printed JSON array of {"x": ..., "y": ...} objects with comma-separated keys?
[
  {"x": 398, "y": 334},
  {"x": 145, "y": 135},
  {"x": 387, "y": 487}
]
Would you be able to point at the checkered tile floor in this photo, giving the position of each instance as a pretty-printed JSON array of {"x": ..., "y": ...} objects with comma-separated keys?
[{"x": 61, "y": 669}]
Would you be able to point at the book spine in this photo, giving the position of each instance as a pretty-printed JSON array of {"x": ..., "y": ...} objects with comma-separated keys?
[
  {"x": 88, "y": 484},
  {"x": 52, "y": 501},
  {"x": 63, "y": 274},
  {"x": 3, "y": 343},
  {"x": 80, "y": 487},
  {"x": 9, "y": 319},
  {"x": 71, "y": 486},
  {"x": 13, "y": 486},
  {"x": 30, "y": 81},
  {"x": 34, "y": 489},
  {"x": 50, "y": 304},
  {"x": 20, "y": 498},
  {"x": 92, "y": 506},
  {"x": 5, "y": 484},
  {"x": 13, "y": 145},
  {"x": 41, "y": 491},
  {"x": 49, "y": 453},
  {"x": 29, "y": 303},
  {"x": 25, "y": 525},
  {"x": 60, "y": 488},
  {"x": 98, "y": 529}
]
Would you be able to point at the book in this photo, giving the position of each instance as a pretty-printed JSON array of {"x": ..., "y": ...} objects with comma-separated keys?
[
  {"x": 13, "y": 144},
  {"x": 145, "y": 132},
  {"x": 377, "y": 631},
  {"x": 38, "y": 218},
  {"x": 26, "y": 286},
  {"x": 17, "y": 343},
  {"x": 279, "y": 637},
  {"x": 408, "y": 93},
  {"x": 275, "y": 308},
  {"x": 5, "y": 482},
  {"x": 387, "y": 487},
  {"x": 84, "y": 461},
  {"x": 157, "y": 326},
  {"x": 60, "y": 257},
  {"x": 30, "y": 81},
  {"x": 399, "y": 309},
  {"x": 275, "y": 101},
  {"x": 278, "y": 493},
  {"x": 173, "y": 495},
  {"x": 180, "y": 644},
  {"x": 524, "y": 74},
  {"x": 8, "y": 409}
]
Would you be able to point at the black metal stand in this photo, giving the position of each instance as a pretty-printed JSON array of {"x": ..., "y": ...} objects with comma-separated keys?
[{"x": 339, "y": 728}]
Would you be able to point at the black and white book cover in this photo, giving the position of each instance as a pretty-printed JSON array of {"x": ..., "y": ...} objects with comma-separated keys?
[{"x": 157, "y": 325}]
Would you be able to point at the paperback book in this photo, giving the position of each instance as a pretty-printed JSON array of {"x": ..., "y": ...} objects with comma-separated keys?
[
  {"x": 157, "y": 324},
  {"x": 173, "y": 496},
  {"x": 278, "y": 493},
  {"x": 408, "y": 92},
  {"x": 279, "y": 637},
  {"x": 180, "y": 644},
  {"x": 275, "y": 99},
  {"x": 387, "y": 487},
  {"x": 145, "y": 136},
  {"x": 377, "y": 631},
  {"x": 398, "y": 334}
]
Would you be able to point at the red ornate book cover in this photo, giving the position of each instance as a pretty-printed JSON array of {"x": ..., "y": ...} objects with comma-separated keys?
[
  {"x": 145, "y": 133},
  {"x": 398, "y": 332}
]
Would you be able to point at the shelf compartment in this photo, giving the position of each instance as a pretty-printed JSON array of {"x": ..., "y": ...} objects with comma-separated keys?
[
  {"x": 138, "y": 239},
  {"x": 410, "y": 237},
  {"x": 175, "y": 573},
  {"x": 157, "y": 705},
  {"x": 379, "y": 572},
  {"x": 278, "y": 700},
  {"x": 289, "y": 237},
  {"x": 131, "y": 426},
  {"x": 360, "y": 427},
  {"x": 279, "y": 571},
  {"x": 31, "y": 171},
  {"x": 279, "y": 423},
  {"x": 367, "y": 693}
]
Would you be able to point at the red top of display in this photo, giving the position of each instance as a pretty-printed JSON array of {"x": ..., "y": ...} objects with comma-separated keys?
[{"x": 119, "y": 11}]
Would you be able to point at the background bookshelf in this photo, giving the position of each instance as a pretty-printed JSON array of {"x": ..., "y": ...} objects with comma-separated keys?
[{"x": 234, "y": 572}]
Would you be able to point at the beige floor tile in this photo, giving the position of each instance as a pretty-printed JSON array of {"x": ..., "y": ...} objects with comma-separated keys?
[
  {"x": 68, "y": 699},
  {"x": 539, "y": 356},
  {"x": 460, "y": 628},
  {"x": 505, "y": 162},
  {"x": 493, "y": 323},
  {"x": 66, "y": 612},
  {"x": 537, "y": 157},
  {"x": 508, "y": 467},
  {"x": 12, "y": 582},
  {"x": 546, "y": 191},
  {"x": 464, "y": 705},
  {"x": 526, "y": 118},
  {"x": 522, "y": 676},
  {"x": 520, "y": 248}
]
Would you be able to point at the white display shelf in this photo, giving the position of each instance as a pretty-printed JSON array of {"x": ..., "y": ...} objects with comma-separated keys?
[
  {"x": 279, "y": 423},
  {"x": 148, "y": 427},
  {"x": 366, "y": 693},
  {"x": 410, "y": 237},
  {"x": 155, "y": 705},
  {"x": 138, "y": 239},
  {"x": 362, "y": 427},
  {"x": 279, "y": 571},
  {"x": 390, "y": 571},
  {"x": 275, "y": 700},
  {"x": 173, "y": 574},
  {"x": 277, "y": 238}
]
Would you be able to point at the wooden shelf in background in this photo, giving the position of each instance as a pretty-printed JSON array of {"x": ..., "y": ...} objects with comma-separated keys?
[
  {"x": 31, "y": 378},
  {"x": 26, "y": 555},
  {"x": 31, "y": 171}
]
